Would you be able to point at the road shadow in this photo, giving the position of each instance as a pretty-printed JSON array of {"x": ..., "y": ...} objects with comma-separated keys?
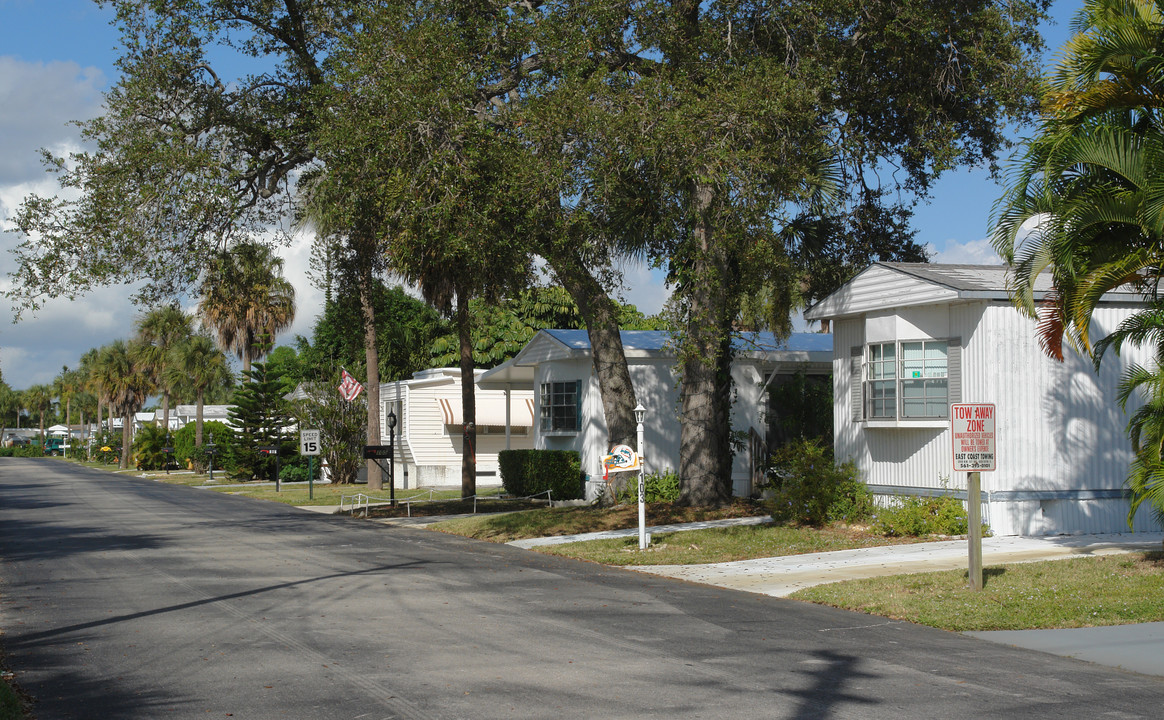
[
  {"x": 62, "y": 693},
  {"x": 833, "y": 672},
  {"x": 58, "y": 541},
  {"x": 17, "y": 641}
]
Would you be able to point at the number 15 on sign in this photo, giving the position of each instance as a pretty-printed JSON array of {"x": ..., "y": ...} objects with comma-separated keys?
[{"x": 308, "y": 442}]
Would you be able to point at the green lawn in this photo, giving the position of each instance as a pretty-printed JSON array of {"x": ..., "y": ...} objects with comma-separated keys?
[
  {"x": 715, "y": 545},
  {"x": 1080, "y": 592},
  {"x": 552, "y": 522}
]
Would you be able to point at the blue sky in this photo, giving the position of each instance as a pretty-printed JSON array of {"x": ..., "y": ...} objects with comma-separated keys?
[{"x": 57, "y": 57}]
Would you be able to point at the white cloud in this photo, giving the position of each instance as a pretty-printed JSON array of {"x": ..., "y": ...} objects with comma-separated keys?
[
  {"x": 642, "y": 286},
  {"x": 975, "y": 252},
  {"x": 308, "y": 299},
  {"x": 37, "y": 103}
]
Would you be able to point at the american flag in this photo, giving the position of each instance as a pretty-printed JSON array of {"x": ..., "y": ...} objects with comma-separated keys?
[{"x": 349, "y": 387}]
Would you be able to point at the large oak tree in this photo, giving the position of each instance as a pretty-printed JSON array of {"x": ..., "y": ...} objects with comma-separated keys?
[{"x": 686, "y": 133}]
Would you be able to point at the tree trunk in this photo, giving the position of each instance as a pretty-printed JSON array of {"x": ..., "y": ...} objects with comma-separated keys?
[
  {"x": 601, "y": 317},
  {"x": 198, "y": 420},
  {"x": 705, "y": 454},
  {"x": 166, "y": 411},
  {"x": 372, "y": 387},
  {"x": 468, "y": 401},
  {"x": 126, "y": 439}
]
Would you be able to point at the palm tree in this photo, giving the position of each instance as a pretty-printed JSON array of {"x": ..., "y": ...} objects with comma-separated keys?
[
  {"x": 160, "y": 330},
  {"x": 1100, "y": 225},
  {"x": 199, "y": 365},
  {"x": 88, "y": 374},
  {"x": 39, "y": 399},
  {"x": 129, "y": 384},
  {"x": 246, "y": 300},
  {"x": 1092, "y": 185},
  {"x": 97, "y": 379},
  {"x": 66, "y": 386},
  {"x": 353, "y": 256},
  {"x": 1146, "y": 426}
]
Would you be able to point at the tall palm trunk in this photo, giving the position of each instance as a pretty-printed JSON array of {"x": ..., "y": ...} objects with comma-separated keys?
[
  {"x": 198, "y": 420},
  {"x": 468, "y": 401},
  {"x": 372, "y": 387},
  {"x": 126, "y": 439}
]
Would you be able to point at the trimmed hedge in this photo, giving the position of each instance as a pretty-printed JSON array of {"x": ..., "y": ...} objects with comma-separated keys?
[{"x": 527, "y": 472}]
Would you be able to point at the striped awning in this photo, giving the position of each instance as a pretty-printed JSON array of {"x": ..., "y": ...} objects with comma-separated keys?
[{"x": 490, "y": 411}]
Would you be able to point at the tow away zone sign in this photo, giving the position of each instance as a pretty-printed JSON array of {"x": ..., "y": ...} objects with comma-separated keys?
[{"x": 972, "y": 430}]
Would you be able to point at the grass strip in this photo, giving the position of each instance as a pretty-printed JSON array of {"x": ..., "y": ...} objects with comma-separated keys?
[
  {"x": 741, "y": 542},
  {"x": 1080, "y": 592},
  {"x": 554, "y": 522},
  {"x": 10, "y": 708}
]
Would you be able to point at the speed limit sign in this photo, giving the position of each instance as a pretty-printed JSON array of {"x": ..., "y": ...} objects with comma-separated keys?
[{"x": 308, "y": 442}]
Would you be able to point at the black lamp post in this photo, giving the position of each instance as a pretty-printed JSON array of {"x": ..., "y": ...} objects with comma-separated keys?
[
  {"x": 392, "y": 457},
  {"x": 168, "y": 449},
  {"x": 210, "y": 448}
]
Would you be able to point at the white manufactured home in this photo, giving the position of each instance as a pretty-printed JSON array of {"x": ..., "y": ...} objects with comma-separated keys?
[
  {"x": 913, "y": 338},
  {"x": 429, "y": 427},
  {"x": 557, "y": 367}
]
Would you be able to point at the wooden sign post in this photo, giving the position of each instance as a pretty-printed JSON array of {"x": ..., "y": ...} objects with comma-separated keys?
[{"x": 972, "y": 433}]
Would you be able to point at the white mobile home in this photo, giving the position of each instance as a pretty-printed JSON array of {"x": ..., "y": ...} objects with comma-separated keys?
[
  {"x": 557, "y": 366},
  {"x": 912, "y": 338},
  {"x": 429, "y": 427}
]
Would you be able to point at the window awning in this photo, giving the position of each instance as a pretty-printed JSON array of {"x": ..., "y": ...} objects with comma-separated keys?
[{"x": 490, "y": 411}]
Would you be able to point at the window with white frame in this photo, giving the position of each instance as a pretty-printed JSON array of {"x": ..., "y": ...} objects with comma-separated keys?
[
  {"x": 906, "y": 379},
  {"x": 560, "y": 408}
]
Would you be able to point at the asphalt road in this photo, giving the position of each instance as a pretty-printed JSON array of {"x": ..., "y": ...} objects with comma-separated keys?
[{"x": 124, "y": 598}]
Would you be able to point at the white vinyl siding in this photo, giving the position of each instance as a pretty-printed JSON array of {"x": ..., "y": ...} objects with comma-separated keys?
[{"x": 1062, "y": 446}]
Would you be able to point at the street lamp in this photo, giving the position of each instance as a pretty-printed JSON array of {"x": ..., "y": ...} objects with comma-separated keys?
[
  {"x": 640, "y": 416},
  {"x": 210, "y": 450},
  {"x": 168, "y": 449},
  {"x": 392, "y": 457}
]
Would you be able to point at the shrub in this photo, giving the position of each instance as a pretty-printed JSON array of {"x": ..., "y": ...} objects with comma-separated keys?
[
  {"x": 295, "y": 471},
  {"x": 107, "y": 439},
  {"x": 7, "y": 451},
  {"x": 917, "y": 516},
  {"x": 29, "y": 451},
  {"x": 657, "y": 487},
  {"x": 186, "y": 452},
  {"x": 528, "y": 472},
  {"x": 809, "y": 488},
  {"x": 148, "y": 447}
]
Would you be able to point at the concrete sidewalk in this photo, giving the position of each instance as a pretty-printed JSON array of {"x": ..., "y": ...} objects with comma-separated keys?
[{"x": 781, "y": 576}]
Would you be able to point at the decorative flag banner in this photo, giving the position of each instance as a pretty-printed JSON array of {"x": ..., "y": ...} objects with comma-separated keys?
[{"x": 349, "y": 387}]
